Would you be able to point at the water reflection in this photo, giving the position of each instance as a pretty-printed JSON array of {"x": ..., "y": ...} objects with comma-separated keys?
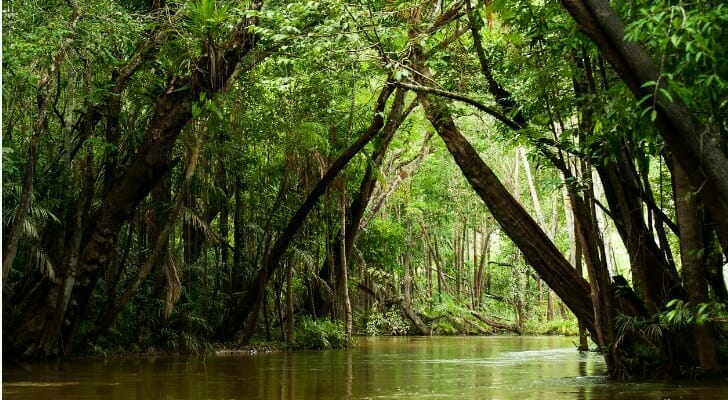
[{"x": 380, "y": 368}]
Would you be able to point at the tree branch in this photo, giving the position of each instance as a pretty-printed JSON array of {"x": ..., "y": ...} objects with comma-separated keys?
[{"x": 455, "y": 96}]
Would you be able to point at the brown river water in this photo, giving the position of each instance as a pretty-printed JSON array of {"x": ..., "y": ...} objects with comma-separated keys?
[{"x": 498, "y": 367}]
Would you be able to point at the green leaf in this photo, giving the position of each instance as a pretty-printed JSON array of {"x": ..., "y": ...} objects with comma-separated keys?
[
  {"x": 196, "y": 110},
  {"x": 675, "y": 39},
  {"x": 667, "y": 94},
  {"x": 597, "y": 127}
]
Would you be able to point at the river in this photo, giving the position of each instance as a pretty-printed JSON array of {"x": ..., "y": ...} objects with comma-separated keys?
[{"x": 497, "y": 367}]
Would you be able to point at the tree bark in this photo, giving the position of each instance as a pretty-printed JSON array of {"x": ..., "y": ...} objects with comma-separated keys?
[
  {"x": 651, "y": 271},
  {"x": 410, "y": 314},
  {"x": 160, "y": 244},
  {"x": 344, "y": 270}
]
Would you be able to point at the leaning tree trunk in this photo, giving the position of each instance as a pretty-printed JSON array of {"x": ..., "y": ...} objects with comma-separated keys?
[
  {"x": 396, "y": 116},
  {"x": 539, "y": 251},
  {"x": 515, "y": 221},
  {"x": 161, "y": 242}
]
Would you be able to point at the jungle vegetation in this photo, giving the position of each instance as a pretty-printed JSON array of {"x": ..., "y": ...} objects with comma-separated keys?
[{"x": 179, "y": 175}]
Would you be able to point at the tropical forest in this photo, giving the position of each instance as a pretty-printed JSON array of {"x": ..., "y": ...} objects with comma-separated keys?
[{"x": 202, "y": 177}]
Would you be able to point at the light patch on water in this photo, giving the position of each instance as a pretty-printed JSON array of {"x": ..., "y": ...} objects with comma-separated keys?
[
  {"x": 40, "y": 384},
  {"x": 550, "y": 354},
  {"x": 515, "y": 357}
]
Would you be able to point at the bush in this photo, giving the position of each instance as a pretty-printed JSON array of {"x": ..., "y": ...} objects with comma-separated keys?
[
  {"x": 374, "y": 324},
  {"x": 444, "y": 327},
  {"x": 320, "y": 334},
  {"x": 391, "y": 323},
  {"x": 566, "y": 327}
]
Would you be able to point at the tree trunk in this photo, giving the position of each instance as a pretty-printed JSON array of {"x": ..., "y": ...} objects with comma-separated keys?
[
  {"x": 160, "y": 244},
  {"x": 651, "y": 271},
  {"x": 149, "y": 163},
  {"x": 359, "y": 204},
  {"x": 344, "y": 271},
  {"x": 245, "y": 313},
  {"x": 692, "y": 252},
  {"x": 290, "y": 318},
  {"x": 539, "y": 251},
  {"x": 422, "y": 328},
  {"x": 692, "y": 144},
  {"x": 48, "y": 342}
]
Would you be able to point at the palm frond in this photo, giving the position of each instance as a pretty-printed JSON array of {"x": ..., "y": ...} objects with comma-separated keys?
[
  {"x": 652, "y": 332},
  {"x": 173, "y": 287},
  {"x": 308, "y": 259},
  {"x": 37, "y": 214},
  {"x": 42, "y": 214},
  {"x": 30, "y": 231},
  {"x": 189, "y": 216},
  {"x": 316, "y": 281},
  {"x": 41, "y": 258}
]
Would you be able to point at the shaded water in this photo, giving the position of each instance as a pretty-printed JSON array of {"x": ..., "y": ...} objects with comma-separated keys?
[{"x": 379, "y": 368}]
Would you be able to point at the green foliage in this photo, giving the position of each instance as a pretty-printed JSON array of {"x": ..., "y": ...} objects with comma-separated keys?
[
  {"x": 679, "y": 313},
  {"x": 320, "y": 334},
  {"x": 648, "y": 333},
  {"x": 445, "y": 327},
  {"x": 36, "y": 219},
  {"x": 390, "y": 323},
  {"x": 206, "y": 16},
  {"x": 683, "y": 36},
  {"x": 303, "y": 96},
  {"x": 372, "y": 322},
  {"x": 448, "y": 317},
  {"x": 565, "y": 327},
  {"x": 382, "y": 231}
]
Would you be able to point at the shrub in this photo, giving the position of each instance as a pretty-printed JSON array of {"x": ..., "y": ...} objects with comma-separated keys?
[
  {"x": 444, "y": 327},
  {"x": 374, "y": 323},
  {"x": 391, "y": 323},
  {"x": 320, "y": 334},
  {"x": 566, "y": 327}
]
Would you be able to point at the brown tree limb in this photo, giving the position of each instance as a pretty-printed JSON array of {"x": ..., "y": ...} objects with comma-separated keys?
[
  {"x": 160, "y": 244},
  {"x": 495, "y": 324}
]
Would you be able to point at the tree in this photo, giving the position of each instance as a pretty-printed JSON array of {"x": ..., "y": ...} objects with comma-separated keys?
[
  {"x": 40, "y": 326},
  {"x": 690, "y": 141}
]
